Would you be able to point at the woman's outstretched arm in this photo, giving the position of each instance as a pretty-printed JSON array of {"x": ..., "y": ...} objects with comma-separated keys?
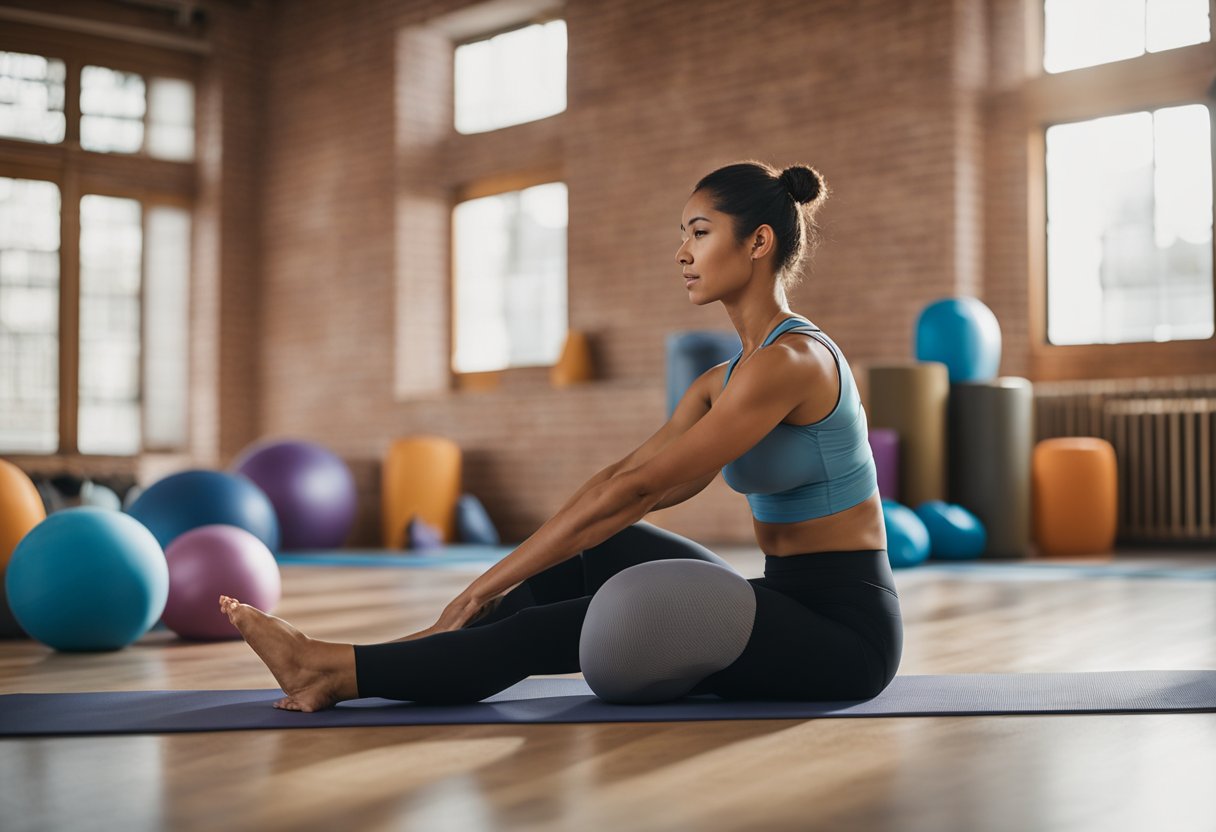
[{"x": 763, "y": 392}]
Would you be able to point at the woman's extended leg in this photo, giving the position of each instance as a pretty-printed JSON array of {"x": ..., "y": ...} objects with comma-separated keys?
[
  {"x": 585, "y": 573},
  {"x": 457, "y": 667}
]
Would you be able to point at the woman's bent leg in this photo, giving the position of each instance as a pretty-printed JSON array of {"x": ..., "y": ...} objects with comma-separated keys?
[
  {"x": 586, "y": 573},
  {"x": 470, "y": 664}
]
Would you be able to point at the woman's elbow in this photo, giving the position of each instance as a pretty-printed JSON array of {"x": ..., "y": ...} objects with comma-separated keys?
[{"x": 635, "y": 488}]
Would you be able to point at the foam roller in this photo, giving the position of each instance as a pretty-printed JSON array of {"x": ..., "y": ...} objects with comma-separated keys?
[
  {"x": 912, "y": 400},
  {"x": 991, "y": 443}
]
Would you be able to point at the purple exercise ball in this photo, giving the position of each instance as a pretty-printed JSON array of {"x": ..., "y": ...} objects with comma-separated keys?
[
  {"x": 311, "y": 489},
  {"x": 211, "y": 561}
]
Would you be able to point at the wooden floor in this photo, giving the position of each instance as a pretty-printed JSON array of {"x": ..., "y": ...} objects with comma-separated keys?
[{"x": 970, "y": 773}]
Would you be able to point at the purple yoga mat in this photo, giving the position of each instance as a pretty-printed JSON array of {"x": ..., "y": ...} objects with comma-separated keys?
[
  {"x": 570, "y": 700},
  {"x": 884, "y": 443}
]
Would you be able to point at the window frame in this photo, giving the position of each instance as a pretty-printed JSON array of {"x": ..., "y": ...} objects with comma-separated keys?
[
  {"x": 78, "y": 172},
  {"x": 492, "y": 185},
  {"x": 1150, "y": 81}
]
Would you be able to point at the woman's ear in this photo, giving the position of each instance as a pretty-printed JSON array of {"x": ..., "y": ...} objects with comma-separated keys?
[{"x": 762, "y": 242}]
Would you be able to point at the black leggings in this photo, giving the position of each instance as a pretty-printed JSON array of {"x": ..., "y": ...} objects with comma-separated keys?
[{"x": 827, "y": 628}]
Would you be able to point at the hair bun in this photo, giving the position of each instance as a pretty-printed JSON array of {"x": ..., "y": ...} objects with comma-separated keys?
[{"x": 803, "y": 183}]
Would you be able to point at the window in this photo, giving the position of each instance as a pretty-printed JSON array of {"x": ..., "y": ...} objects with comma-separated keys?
[
  {"x": 510, "y": 279},
  {"x": 511, "y": 78},
  {"x": 1128, "y": 211},
  {"x": 1129, "y": 228},
  {"x": 1074, "y": 38},
  {"x": 31, "y": 97},
  {"x": 98, "y": 243},
  {"x": 29, "y": 315},
  {"x": 119, "y": 113}
]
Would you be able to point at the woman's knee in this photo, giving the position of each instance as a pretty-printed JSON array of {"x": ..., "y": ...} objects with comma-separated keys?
[{"x": 655, "y": 630}]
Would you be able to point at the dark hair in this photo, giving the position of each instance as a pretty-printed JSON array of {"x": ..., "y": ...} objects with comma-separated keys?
[{"x": 756, "y": 194}]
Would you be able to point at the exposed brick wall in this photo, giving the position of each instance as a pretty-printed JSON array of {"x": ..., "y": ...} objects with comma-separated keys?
[{"x": 883, "y": 97}]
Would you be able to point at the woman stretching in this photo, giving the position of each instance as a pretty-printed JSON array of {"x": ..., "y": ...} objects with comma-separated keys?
[{"x": 648, "y": 615}]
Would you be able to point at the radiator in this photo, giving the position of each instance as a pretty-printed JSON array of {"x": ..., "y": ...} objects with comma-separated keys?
[{"x": 1164, "y": 435}]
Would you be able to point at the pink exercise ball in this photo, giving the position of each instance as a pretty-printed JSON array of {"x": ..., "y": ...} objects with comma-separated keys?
[{"x": 211, "y": 561}]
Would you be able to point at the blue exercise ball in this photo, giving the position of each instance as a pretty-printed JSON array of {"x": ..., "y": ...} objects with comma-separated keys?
[
  {"x": 954, "y": 532},
  {"x": 907, "y": 537},
  {"x": 187, "y": 500},
  {"x": 963, "y": 334},
  {"x": 87, "y": 579}
]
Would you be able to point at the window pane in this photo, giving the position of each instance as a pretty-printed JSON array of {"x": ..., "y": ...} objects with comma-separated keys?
[
  {"x": 514, "y": 77},
  {"x": 167, "y": 298},
  {"x": 112, "y": 106},
  {"x": 31, "y": 97},
  {"x": 510, "y": 279},
  {"x": 1129, "y": 228},
  {"x": 171, "y": 119},
  {"x": 1080, "y": 33},
  {"x": 111, "y": 245},
  {"x": 1174, "y": 23},
  {"x": 29, "y": 316}
]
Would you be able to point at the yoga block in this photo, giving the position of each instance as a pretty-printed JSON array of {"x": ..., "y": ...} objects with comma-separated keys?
[
  {"x": 574, "y": 366},
  {"x": 991, "y": 439},
  {"x": 911, "y": 399},
  {"x": 1075, "y": 496}
]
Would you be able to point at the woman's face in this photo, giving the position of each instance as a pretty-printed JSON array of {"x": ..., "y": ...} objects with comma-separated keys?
[{"x": 714, "y": 265}]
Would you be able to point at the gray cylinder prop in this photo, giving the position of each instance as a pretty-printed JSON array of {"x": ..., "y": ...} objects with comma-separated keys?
[
  {"x": 912, "y": 399},
  {"x": 991, "y": 441}
]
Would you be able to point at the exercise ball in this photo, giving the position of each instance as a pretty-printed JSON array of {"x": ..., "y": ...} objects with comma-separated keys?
[
  {"x": 99, "y": 496},
  {"x": 311, "y": 489},
  {"x": 907, "y": 537},
  {"x": 87, "y": 579},
  {"x": 954, "y": 532},
  {"x": 963, "y": 334},
  {"x": 21, "y": 508},
  {"x": 211, "y": 561},
  {"x": 187, "y": 500}
]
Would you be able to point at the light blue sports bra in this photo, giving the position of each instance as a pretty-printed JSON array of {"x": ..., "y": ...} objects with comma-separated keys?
[{"x": 799, "y": 472}]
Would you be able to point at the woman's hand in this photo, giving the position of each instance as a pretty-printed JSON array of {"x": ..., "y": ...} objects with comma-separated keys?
[{"x": 461, "y": 611}]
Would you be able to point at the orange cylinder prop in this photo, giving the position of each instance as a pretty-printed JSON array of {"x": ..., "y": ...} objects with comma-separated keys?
[
  {"x": 421, "y": 478},
  {"x": 1075, "y": 496}
]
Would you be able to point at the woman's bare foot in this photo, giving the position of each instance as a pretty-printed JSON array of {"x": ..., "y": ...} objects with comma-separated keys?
[{"x": 314, "y": 674}]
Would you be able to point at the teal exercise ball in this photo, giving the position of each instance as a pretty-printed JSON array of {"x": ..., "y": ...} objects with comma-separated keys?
[
  {"x": 191, "y": 499},
  {"x": 963, "y": 334},
  {"x": 907, "y": 537},
  {"x": 87, "y": 579},
  {"x": 954, "y": 532}
]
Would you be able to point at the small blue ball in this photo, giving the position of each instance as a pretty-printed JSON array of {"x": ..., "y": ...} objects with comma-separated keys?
[
  {"x": 907, "y": 537},
  {"x": 954, "y": 532},
  {"x": 963, "y": 334},
  {"x": 87, "y": 579}
]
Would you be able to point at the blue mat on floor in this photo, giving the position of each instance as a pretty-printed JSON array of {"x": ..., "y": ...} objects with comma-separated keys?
[
  {"x": 465, "y": 555},
  {"x": 1040, "y": 571},
  {"x": 444, "y": 556},
  {"x": 570, "y": 700}
]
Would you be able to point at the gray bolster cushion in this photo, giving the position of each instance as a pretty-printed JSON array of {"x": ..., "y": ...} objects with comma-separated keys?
[{"x": 654, "y": 630}]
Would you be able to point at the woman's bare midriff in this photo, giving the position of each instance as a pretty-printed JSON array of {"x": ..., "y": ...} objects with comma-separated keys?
[{"x": 857, "y": 528}]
